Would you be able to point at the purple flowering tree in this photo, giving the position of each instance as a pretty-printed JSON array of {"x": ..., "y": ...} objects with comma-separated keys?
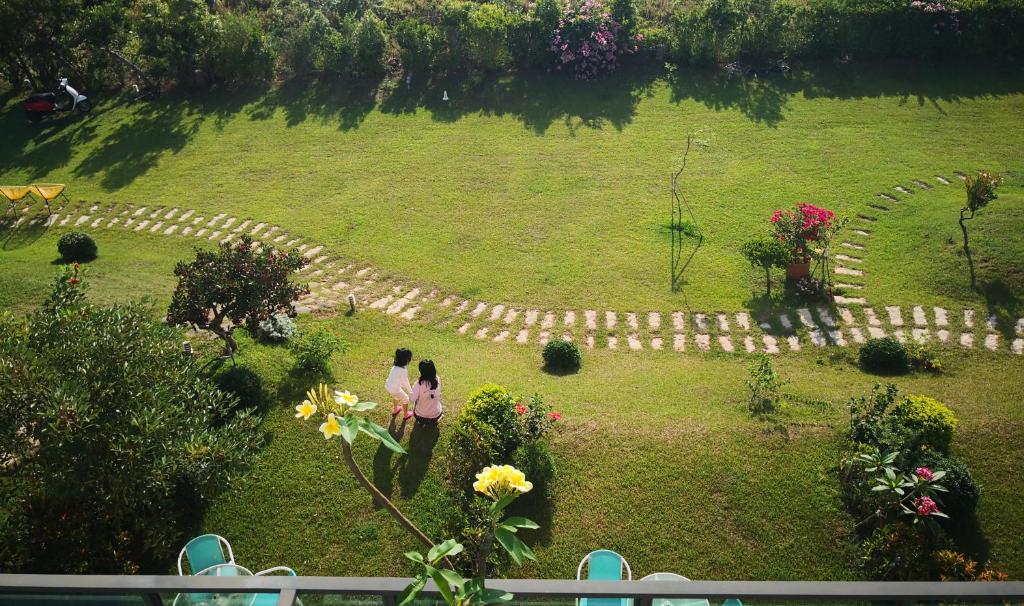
[{"x": 588, "y": 41}]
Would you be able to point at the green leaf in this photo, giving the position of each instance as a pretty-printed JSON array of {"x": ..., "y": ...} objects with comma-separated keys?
[
  {"x": 508, "y": 540},
  {"x": 442, "y": 584},
  {"x": 364, "y": 406},
  {"x": 349, "y": 428},
  {"x": 494, "y": 596},
  {"x": 408, "y": 596},
  {"x": 520, "y": 522},
  {"x": 379, "y": 433},
  {"x": 449, "y": 547},
  {"x": 879, "y": 488},
  {"x": 415, "y": 556},
  {"x": 453, "y": 578},
  {"x": 938, "y": 475},
  {"x": 499, "y": 505}
]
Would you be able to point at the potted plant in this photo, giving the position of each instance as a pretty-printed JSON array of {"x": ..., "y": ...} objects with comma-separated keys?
[{"x": 800, "y": 230}]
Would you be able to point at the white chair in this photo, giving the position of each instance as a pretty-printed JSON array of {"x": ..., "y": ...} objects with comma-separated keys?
[{"x": 669, "y": 576}]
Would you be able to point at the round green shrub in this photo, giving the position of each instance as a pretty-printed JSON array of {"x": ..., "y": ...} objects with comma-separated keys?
[
  {"x": 534, "y": 459},
  {"x": 884, "y": 356},
  {"x": 562, "y": 356},
  {"x": 963, "y": 495},
  {"x": 494, "y": 406},
  {"x": 76, "y": 246},
  {"x": 242, "y": 383},
  {"x": 926, "y": 421}
]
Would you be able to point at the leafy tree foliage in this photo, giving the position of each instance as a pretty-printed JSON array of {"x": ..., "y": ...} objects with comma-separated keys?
[
  {"x": 237, "y": 284},
  {"x": 766, "y": 253},
  {"x": 108, "y": 446}
]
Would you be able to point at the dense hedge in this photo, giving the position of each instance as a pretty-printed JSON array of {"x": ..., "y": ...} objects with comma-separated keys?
[{"x": 189, "y": 42}]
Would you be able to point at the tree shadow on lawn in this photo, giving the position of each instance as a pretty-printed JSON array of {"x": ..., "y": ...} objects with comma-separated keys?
[
  {"x": 12, "y": 238},
  {"x": 1003, "y": 304}
]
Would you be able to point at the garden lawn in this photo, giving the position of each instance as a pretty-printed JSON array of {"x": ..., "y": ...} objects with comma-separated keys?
[{"x": 548, "y": 192}]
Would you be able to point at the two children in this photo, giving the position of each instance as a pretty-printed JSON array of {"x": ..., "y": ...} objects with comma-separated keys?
[{"x": 425, "y": 396}]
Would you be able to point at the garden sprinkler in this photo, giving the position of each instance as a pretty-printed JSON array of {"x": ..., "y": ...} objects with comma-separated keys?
[
  {"x": 186, "y": 347},
  {"x": 444, "y": 97},
  {"x": 352, "y": 303}
]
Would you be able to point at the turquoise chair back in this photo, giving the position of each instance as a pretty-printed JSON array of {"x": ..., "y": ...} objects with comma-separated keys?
[
  {"x": 204, "y": 551},
  {"x": 604, "y": 565}
]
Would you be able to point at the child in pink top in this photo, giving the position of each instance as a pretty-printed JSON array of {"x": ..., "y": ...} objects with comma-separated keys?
[{"x": 426, "y": 395}]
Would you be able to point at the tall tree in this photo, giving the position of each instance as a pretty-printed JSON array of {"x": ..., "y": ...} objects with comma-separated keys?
[{"x": 981, "y": 190}]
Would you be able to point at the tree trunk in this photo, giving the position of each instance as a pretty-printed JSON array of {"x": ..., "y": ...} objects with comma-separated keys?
[
  {"x": 481, "y": 557},
  {"x": 768, "y": 280},
  {"x": 967, "y": 249}
]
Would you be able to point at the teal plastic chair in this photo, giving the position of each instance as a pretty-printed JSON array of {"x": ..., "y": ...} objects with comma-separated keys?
[
  {"x": 604, "y": 565},
  {"x": 204, "y": 552}
]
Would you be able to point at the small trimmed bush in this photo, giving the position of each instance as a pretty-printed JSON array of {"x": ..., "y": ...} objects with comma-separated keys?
[
  {"x": 277, "y": 328},
  {"x": 242, "y": 383},
  {"x": 494, "y": 406},
  {"x": 562, "y": 356},
  {"x": 963, "y": 495},
  {"x": 926, "y": 421},
  {"x": 76, "y": 246},
  {"x": 884, "y": 356},
  {"x": 314, "y": 349}
]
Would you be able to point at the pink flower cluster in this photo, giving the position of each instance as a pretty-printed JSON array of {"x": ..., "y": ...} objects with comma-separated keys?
[
  {"x": 805, "y": 225},
  {"x": 925, "y": 506},
  {"x": 924, "y": 473},
  {"x": 588, "y": 40}
]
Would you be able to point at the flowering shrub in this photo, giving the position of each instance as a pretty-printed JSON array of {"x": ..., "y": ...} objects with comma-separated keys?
[
  {"x": 589, "y": 41},
  {"x": 800, "y": 228},
  {"x": 810, "y": 288},
  {"x": 943, "y": 16}
]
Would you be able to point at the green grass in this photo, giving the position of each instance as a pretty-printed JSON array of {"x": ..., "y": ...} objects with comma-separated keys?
[{"x": 535, "y": 189}]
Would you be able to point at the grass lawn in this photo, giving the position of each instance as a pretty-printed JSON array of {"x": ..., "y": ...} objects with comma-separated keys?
[
  {"x": 538, "y": 190},
  {"x": 552, "y": 193}
]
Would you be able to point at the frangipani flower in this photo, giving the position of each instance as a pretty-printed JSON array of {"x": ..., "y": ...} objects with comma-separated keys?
[
  {"x": 497, "y": 481},
  {"x": 331, "y": 427},
  {"x": 346, "y": 398},
  {"x": 305, "y": 410}
]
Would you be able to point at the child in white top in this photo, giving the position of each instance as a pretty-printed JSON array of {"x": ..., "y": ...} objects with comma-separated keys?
[
  {"x": 426, "y": 395},
  {"x": 398, "y": 383}
]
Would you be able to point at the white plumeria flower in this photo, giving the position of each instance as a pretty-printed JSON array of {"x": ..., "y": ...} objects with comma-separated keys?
[{"x": 346, "y": 398}]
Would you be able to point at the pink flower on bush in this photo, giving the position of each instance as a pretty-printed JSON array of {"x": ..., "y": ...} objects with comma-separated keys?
[
  {"x": 924, "y": 473},
  {"x": 520, "y": 409},
  {"x": 925, "y": 506},
  {"x": 555, "y": 416},
  {"x": 808, "y": 223},
  {"x": 588, "y": 40}
]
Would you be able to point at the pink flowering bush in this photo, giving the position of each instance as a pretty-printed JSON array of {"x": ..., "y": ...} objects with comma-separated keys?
[
  {"x": 944, "y": 17},
  {"x": 589, "y": 41},
  {"x": 801, "y": 227},
  {"x": 924, "y": 473},
  {"x": 925, "y": 506}
]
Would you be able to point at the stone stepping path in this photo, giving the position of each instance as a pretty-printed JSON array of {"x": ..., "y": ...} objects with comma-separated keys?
[{"x": 332, "y": 279}]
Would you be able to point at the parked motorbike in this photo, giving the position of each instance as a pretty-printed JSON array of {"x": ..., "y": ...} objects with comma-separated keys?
[{"x": 64, "y": 99}]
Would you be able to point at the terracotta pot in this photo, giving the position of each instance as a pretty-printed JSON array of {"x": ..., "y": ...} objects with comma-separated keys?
[{"x": 795, "y": 271}]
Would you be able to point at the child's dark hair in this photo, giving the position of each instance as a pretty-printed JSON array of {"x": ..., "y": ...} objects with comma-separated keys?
[
  {"x": 428, "y": 373},
  {"x": 402, "y": 357}
]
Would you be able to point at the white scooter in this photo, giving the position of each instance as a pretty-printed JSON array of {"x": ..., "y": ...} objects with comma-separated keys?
[{"x": 65, "y": 99}]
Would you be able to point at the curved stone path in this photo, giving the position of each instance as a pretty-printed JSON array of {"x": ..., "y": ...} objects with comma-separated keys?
[{"x": 332, "y": 278}]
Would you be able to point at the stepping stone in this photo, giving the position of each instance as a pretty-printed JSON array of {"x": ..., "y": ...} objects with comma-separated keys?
[
  {"x": 921, "y": 184},
  {"x": 199, "y": 234},
  {"x": 447, "y": 300},
  {"x": 544, "y": 337},
  {"x": 590, "y": 341},
  {"x": 826, "y": 317},
  {"x": 214, "y": 235},
  {"x": 410, "y": 313},
  {"x": 846, "y": 316},
  {"x": 849, "y": 258},
  {"x": 852, "y": 245},
  {"x": 312, "y": 252},
  {"x": 793, "y": 342},
  {"x": 875, "y": 333},
  {"x": 567, "y": 337},
  {"x": 95, "y": 223},
  {"x": 501, "y": 336},
  {"x": 170, "y": 230},
  {"x": 152, "y": 215},
  {"x": 895, "y": 316},
  {"x": 82, "y": 219},
  {"x": 703, "y": 342},
  {"x": 919, "y": 317},
  {"x": 678, "y": 342},
  {"x": 878, "y": 207},
  {"x": 610, "y": 320},
  {"x": 990, "y": 323},
  {"x": 511, "y": 316},
  {"x": 940, "y": 316},
  {"x": 227, "y": 223},
  {"x": 943, "y": 336},
  {"x": 531, "y": 317},
  {"x": 942, "y": 180},
  {"x": 242, "y": 226},
  {"x": 227, "y": 238},
  {"x": 496, "y": 312},
  {"x": 280, "y": 238},
  {"x": 862, "y": 232},
  {"x": 771, "y": 344},
  {"x": 461, "y": 307},
  {"x": 805, "y": 317},
  {"x": 53, "y": 219},
  {"x": 888, "y": 197},
  {"x": 382, "y": 303},
  {"x": 549, "y": 320},
  {"x": 257, "y": 229},
  {"x": 186, "y": 215},
  {"x": 866, "y": 218},
  {"x": 479, "y": 309},
  {"x": 523, "y": 336},
  {"x": 748, "y": 344},
  {"x": 702, "y": 322},
  {"x": 112, "y": 222},
  {"x": 723, "y": 322},
  {"x": 292, "y": 242},
  {"x": 787, "y": 324},
  {"x": 171, "y": 213},
  {"x": 969, "y": 318},
  {"x": 898, "y": 333},
  {"x": 841, "y": 300},
  {"x": 817, "y": 337},
  {"x": 590, "y": 317},
  {"x": 743, "y": 320},
  {"x": 142, "y": 225},
  {"x": 678, "y": 321},
  {"x": 197, "y": 221},
  {"x": 613, "y": 342},
  {"x": 992, "y": 342},
  {"x": 65, "y": 220},
  {"x": 570, "y": 318},
  {"x": 903, "y": 190},
  {"x": 1017, "y": 346},
  {"x": 139, "y": 211},
  {"x": 846, "y": 271},
  {"x": 657, "y": 343},
  {"x": 462, "y": 329},
  {"x": 725, "y": 343},
  {"x": 967, "y": 340},
  {"x": 654, "y": 320},
  {"x": 871, "y": 317},
  {"x": 632, "y": 322},
  {"x": 920, "y": 335},
  {"x": 1019, "y": 328},
  {"x": 858, "y": 336},
  {"x": 634, "y": 342},
  {"x": 397, "y": 306},
  {"x": 837, "y": 337}
]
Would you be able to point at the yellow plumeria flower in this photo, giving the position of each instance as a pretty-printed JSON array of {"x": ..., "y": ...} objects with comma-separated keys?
[
  {"x": 331, "y": 427},
  {"x": 305, "y": 410},
  {"x": 497, "y": 481},
  {"x": 346, "y": 398}
]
